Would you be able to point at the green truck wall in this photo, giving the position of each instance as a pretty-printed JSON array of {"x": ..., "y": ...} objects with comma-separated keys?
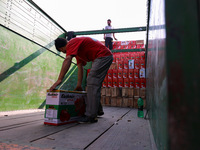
[
  {"x": 183, "y": 65},
  {"x": 26, "y": 72},
  {"x": 156, "y": 75},
  {"x": 173, "y": 74}
]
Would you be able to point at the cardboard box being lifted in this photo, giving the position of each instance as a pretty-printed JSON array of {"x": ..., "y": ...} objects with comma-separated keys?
[{"x": 64, "y": 107}]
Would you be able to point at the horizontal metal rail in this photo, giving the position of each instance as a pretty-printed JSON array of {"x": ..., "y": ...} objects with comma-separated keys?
[{"x": 119, "y": 30}]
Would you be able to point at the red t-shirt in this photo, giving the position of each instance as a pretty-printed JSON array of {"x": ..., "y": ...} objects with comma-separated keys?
[{"x": 86, "y": 49}]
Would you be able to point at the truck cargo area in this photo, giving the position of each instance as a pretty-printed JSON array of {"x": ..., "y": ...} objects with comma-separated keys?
[{"x": 118, "y": 128}]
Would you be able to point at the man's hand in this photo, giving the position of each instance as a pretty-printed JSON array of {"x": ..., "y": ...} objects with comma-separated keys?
[
  {"x": 55, "y": 85},
  {"x": 80, "y": 77},
  {"x": 65, "y": 67},
  {"x": 78, "y": 88}
]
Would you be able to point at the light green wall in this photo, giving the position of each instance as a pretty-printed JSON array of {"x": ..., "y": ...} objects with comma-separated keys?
[{"x": 26, "y": 72}]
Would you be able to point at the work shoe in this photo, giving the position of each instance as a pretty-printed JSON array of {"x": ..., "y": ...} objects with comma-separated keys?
[
  {"x": 86, "y": 119},
  {"x": 100, "y": 113}
]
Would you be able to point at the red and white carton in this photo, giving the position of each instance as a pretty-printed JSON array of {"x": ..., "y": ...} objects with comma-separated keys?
[
  {"x": 139, "y": 42},
  {"x": 114, "y": 47},
  {"x": 126, "y": 82},
  {"x": 64, "y": 107},
  {"x": 132, "y": 42},
  {"x": 125, "y": 73},
  {"x": 110, "y": 82},
  {"x": 143, "y": 83},
  {"x": 114, "y": 57},
  {"x": 131, "y": 73},
  {"x": 142, "y": 55},
  {"x": 122, "y": 46},
  {"x": 116, "y": 43},
  {"x": 122, "y": 56},
  {"x": 131, "y": 81},
  {"x": 132, "y": 46},
  {"x": 131, "y": 64},
  {"x": 142, "y": 73},
  {"x": 118, "y": 57},
  {"x": 118, "y": 47},
  {"x": 132, "y": 55},
  {"x": 127, "y": 56},
  {"x": 115, "y": 82},
  {"x": 137, "y": 56},
  {"x": 137, "y": 64},
  {"x": 137, "y": 83},
  {"x": 120, "y": 73},
  {"x": 120, "y": 64},
  {"x": 140, "y": 46},
  {"x": 120, "y": 82},
  {"x": 110, "y": 74},
  {"x": 126, "y": 64},
  {"x": 105, "y": 82},
  {"x": 124, "y": 42},
  {"x": 136, "y": 73},
  {"x": 142, "y": 64},
  {"x": 115, "y": 73}
]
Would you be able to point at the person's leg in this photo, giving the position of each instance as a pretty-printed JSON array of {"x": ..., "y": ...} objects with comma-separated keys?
[
  {"x": 94, "y": 82},
  {"x": 111, "y": 44},
  {"x": 107, "y": 42}
]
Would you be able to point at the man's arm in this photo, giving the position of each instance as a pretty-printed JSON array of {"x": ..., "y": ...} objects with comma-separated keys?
[
  {"x": 80, "y": 78},
  {"x": 65, "y": 67},
  {"x": 114, "y": 36}
]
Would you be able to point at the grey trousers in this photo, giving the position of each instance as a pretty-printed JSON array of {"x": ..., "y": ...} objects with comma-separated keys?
[{"x": 95, "y": 79}]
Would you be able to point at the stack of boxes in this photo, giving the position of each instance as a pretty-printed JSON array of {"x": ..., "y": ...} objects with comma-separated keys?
[
  {"x": 139, "y": 44},
  {"x": 125, "y": 81}
]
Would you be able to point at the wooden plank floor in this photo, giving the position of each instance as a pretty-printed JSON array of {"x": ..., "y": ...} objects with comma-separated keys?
[{"x": 117, "y": 129}]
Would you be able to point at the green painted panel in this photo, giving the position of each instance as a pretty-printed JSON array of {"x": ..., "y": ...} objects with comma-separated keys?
[
  {"x": 173, "y": 73},
  {"x": 183, "y": 65},
  {"x": 156, "y": 75},
  {"x": 32, "y": 70}
]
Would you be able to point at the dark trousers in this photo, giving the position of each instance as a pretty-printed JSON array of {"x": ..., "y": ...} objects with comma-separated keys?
[
  {"x": 95, "y": 78},
  {"x": 109, "y": 43}
]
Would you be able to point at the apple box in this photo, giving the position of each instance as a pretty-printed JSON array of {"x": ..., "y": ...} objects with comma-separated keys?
[
  {"x": 115, "y": 74},
  {"x": 131, "y": 64},
  {"x": 120, "y": 82},
  {"x": 64, "y": 107},
  {"x": 142, "y": 73},
  {"x": 105, "y": 81}
]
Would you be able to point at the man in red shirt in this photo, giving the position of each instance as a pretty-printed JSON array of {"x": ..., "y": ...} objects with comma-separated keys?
[{"x": 86, "y": 49}]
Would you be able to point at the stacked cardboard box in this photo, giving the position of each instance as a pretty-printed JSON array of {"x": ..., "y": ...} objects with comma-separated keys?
[
  {"x": 121, "y": 96},
  {"x": 138, "y": 44},
  {"x": 127, "y": 70},
  {"x": 64, "y": 106}
]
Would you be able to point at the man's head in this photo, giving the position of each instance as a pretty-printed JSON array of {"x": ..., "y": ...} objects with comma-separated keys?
[
  {"x": 109, "y": 22},
  {"x": 60, "y": 44}
]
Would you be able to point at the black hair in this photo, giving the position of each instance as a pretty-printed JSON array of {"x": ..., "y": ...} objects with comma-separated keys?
[
  {"x": 108, "y": 20},
  {"x": 70, "y": 35},
  {"x": 60, "y": 42}
]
